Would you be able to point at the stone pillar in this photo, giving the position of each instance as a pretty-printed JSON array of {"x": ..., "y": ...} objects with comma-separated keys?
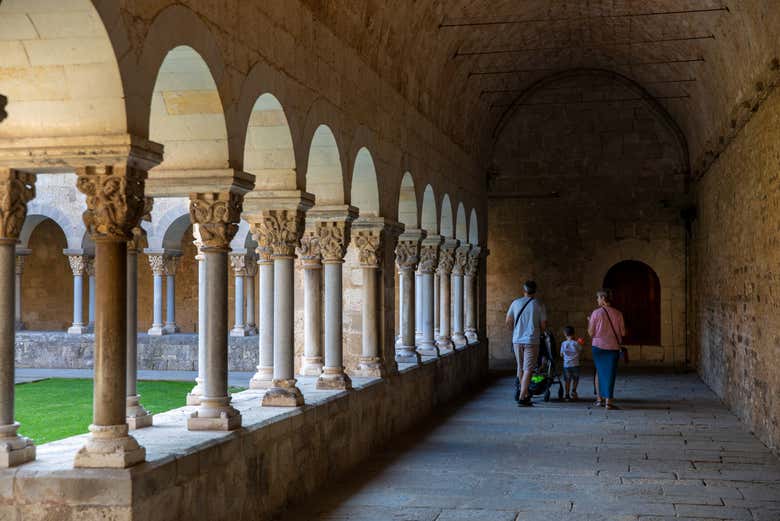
[
  {"x": 18, "y": 320},
  {"x": 217, "y": 216},
  {"x": 89, "y": 268},
  {"x": 368, "y": 239},
  {"x": 470, "y": 299},
  {"x": 458, "y": 269},
  {"x": 249, "y": 291},
  {"x": 193, "y": 397},
  {"x": 311, "y": 262},
  {"x": 77, "y": 265},
  {"x": 170, "y": 263},
  {"x": 16, "y": 190},
  {"x": 436, "y": 307},
  {"x": 283, "y": 228},
  {"x": 407, "y": 255},
  {"x": 137, "y": 416},
  {"x": 429, "y": 254},
  {"x": 263, "y": 378},
  {"x": 334, "y": 235},
  {"x": 238, "y": 263},
  {"x": 418, "y": 307},
  {"x": 115, "y": 204},
  {"x": 446, "y": 259},
  {"x": 157, "y": 263}
]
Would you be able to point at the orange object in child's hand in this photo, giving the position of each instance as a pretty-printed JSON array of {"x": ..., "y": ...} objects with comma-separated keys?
[{"x": 580, "y": 341}]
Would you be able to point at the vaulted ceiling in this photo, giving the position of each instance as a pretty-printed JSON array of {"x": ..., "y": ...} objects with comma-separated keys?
[{"x": 463, "y": 63}]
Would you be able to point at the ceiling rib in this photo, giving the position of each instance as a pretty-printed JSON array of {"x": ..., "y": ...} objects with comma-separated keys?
[{"x": 700, "y": 59}]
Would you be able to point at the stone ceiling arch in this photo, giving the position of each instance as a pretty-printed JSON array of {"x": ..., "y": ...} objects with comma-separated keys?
[
  {"x": 447, "y": 225},
  {"x": 31, "y": 222},
  {"x": 473, "y": 228},
  {"x": 365, "y": 189},
  {"x": 324, "y": 172},
  {"x": 428, "y": 217},
  {"x": 461, "y": 227},
  {"x": 407, "y": 203},
  {"x": 268, "y": 151},
  {"x": 59, "y": 69}
]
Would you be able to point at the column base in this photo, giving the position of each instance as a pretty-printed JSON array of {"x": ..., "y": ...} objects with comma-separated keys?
[
  {"x": 19, "y": 325},
  {"x": 311, "y": 365},
  {"x": 137, "y": 416},
  {"x": 471, "y": 336},
  {"x": 90, "y": 327},
  {"x": 370, "y": 367},
  {"x": 109, "y": 446},
  {"x": 170, "y": 329},
  {"x": 284, "y": 393},
  {"x": 445, "y": 343},
  {"x": 14, "y": 449},
  {"x": 428, "y": 349},
  {"x": 238, "y": 331},
  {"x": 158, "y": 330},
  {"x": 193, "y": 397},
  {"x": 214, "y": 414},
  {"x": 334, "y": 379},
  {"x": 407, "y": 355},
  {"x": 250, "y": 330},
  {"x": 77, "y": 329},
  {"x": 262, "y": 379},
  {"x": 460, "y": 341}
]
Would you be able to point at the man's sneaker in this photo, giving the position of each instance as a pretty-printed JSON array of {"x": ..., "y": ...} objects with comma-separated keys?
[{"x": 526, "y": 403}]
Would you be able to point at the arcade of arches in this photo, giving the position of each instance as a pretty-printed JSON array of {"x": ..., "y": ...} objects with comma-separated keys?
[{"x": 343, "y": 198}]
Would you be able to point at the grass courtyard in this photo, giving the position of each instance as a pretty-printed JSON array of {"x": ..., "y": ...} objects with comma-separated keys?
[{"x": 56, "y": 408}]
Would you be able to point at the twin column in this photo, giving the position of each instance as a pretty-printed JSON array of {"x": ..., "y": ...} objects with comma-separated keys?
[{"x": 163, "y": 268}]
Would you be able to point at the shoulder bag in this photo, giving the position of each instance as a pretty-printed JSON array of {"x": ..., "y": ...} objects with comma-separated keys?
[{"x": 623, "y": 349}]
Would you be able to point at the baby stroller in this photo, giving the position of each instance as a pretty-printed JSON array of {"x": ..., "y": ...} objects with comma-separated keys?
[{"x": 546, "y": 372}]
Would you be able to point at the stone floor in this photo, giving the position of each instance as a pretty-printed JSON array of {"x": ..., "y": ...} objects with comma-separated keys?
[{"x": 673, "y": 452}]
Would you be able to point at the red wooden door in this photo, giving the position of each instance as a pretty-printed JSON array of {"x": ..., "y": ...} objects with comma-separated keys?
[{"x": 636, "y": 291}]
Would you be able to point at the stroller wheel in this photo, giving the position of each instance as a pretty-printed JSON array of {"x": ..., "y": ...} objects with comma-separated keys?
[{"x": 547, "y": 395}]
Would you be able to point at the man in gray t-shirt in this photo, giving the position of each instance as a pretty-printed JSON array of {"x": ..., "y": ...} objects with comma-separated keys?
[{"x": 527, "y": 318}]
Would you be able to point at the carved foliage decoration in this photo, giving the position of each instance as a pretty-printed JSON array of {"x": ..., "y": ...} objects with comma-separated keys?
[
  {"x": 428, "y": 256},
  {"x": 406, "y": 254},
  {"x": 280, "y": 230},
  {"x": 334, "y": 236},
  {"x": 472, "y": 264},
  {"x": 157, "y": 263},
  {"x": 76, "y": 264},
  {"x": 170, "y": 263},
  {"x": 16, "y": 190},
  {"x": 89, "y": 266},
  {"x": 461, "y": 257},
  {"x": 238, "y": 263},
  {"x": 217, "y": 216},
  {"x": 115, "y": 200},
  {"x": 446, "y": 260},
  {"x": 309, "y": 249},
  {"x": 251, "y": 265},
  {"x": 369, "y": 244}
]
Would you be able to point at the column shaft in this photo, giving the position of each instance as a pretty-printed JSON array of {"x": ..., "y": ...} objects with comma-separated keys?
[
  {"x": 137, "y": 416},
  {"x": 157, "y": 263},
  {"x": 418, "y": 307},
  {"x": 18, "y": 322},
  {"x": 406, "y": 352},
  {"x": 193, "y": 397},
  {"x": 249, "y": 289},
  {"x": 263, "y": 378},
  {"x": 312, "y": 319},
  {"x": 333, "y": 376},
  {"x": 77, "y": 265},
  {"x": 444, "y": 340},
  {"x": 170, "y": 304},
  {"x": 458, "y": 336},
  {"x": 436, "y": 306},
  {"x": 91, "y": 306}
]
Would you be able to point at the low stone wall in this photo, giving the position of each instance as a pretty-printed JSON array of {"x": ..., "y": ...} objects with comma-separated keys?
[
  {"x": 281, "y": 456},
  {"x": 58, "y": 350}
]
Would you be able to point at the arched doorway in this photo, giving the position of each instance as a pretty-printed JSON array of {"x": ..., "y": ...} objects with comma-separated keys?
[{"x": 636, "y": 291}]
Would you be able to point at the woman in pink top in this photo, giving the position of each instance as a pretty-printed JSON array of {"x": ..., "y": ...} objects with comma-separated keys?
[{"x": 606, "y": 328}]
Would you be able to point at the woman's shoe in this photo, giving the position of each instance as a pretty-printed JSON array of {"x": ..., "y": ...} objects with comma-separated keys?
[
  {"x": 612, "y": 407},
  {"x": 574, "y": 396},
  {"x": 598, "y": 403}
]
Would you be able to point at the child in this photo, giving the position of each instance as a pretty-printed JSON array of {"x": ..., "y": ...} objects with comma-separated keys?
[{"x": 570, "y": 350}]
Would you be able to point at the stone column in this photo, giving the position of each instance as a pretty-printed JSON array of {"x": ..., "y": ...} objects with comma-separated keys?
[
  {"x": 217, "y": 216},
  {"x": 368, "y": 240},
  {"x": 470, "y": 300},
  {"x": 77, "y": 265},
  {"x": 89, "y": 268},
  {"x": 311, "y": 262},
  {"x": 418, "y": 307},
  {"x": 458, "y": 268},
  {"x": 238, "y": 263},
  {"x": 446, "y": 259},
  {"x": 436, "y": 307},
  {"x": 283, "y": 228},
  {"x": 16, "y": 190},
  {"x": 115, "y": 204},
  {"x": 157, "y": 263},
  {"x": 18, "y": 321},
  {"x": 193, "y": 397},
  {"x": 334, "y": 235},
  {"x": 429, "y": 254},
  {"x": 137, "y": 416},
  {"x": 263, "y": 378},
  {"x": 407, "y": 255},
  {"x": 249, "y": 290},
  {"x": 170, "y": 263}
]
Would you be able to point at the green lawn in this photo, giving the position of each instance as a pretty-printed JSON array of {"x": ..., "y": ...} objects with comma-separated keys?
[{"x": 56, "y": 408}]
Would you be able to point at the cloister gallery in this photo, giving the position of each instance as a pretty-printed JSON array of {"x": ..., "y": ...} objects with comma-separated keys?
[{"x": 342, "y": 199}]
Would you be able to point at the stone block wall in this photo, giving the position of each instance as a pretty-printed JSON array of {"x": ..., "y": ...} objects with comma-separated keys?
[
  {"x": 577, "y": 188},
  {"x": 736, "y": 283}
]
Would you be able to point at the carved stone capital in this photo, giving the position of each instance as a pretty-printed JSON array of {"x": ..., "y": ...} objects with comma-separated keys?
[
  {"x": 89, "y": 266},
  {"x": 407, "y": 253},
  {"x": 157, "y": 263},
  {"x": 238, "y": 264},
  {"x": 309, "y": 249},
  {"x": 115, "y": 200},
  {"x": 429, "y": 255},
  {"x": 369, "y": 245},
  {"x": 334, "y": 238},
  {"x": 136, "y": 243},
  {"x": 77, "y": 264},
  {"x": 461, "y": 258},
  {"x": 251, "y": 266},
  {"x": 472, "y": 263},
  {"x": 217, "y": 216},
  {"x": 16, "y": 190},
  {"x": 170, "y": 262},
  {"x": 446, "y": 260},
  {"x": 279, "y": 231}
]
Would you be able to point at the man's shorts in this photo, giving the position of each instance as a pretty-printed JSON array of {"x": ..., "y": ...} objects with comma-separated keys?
[
  {"x": 526, "y": 355},
  {"x": 571, "y": 373}
]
